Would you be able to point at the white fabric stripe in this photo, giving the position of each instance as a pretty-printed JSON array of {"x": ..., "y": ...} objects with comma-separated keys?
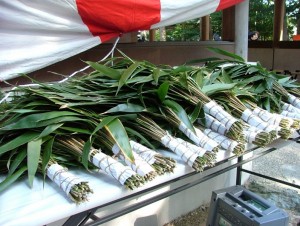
[
  {"x": 184, "y": 10},
  {"x": 35, "y": 34}
]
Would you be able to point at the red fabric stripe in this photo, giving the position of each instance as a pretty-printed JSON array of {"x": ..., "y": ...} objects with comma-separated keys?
[
  {"x": 110, "y": 18},
  {"x": 227, "y": 3}
]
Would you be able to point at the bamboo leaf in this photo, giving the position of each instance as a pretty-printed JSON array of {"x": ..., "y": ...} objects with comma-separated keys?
[
  {"x": 35, "y": 120},
  {"x": 125, "y": 108},
  {"x": 198, "y": 78},
  {"x": 103, "y": 122},
  {"x": 126, "y": 74},
  {"x": 218, "y": 87},
  {"x": 85, "y": 153},
  {"x": 181, "y": 114},
  {"x": 118, "y": 133},
  {"x": 225, "y": 53},
  {"x": 49, "y": 129},
  {"x": 12, "y": 178},
  {"x": 107, "y": 71},
  {"x": 17, "y": 161},
  {"x": 142, "y": 138},
  {"x": 18, "y": 141},
  {"x": 46, "y": 155},
  {"x": 163, "y": 91},
  {"x": 195, "y": 114},
  {"x": 33, "y": 156}
]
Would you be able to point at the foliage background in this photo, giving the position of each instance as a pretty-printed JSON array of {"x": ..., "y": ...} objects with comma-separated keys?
[{"x": 261, "y": 19}]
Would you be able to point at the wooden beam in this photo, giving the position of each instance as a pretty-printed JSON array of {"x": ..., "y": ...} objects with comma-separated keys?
[
  {"x": 228, "y": 24},
  {"x": 152, "y": 35},
  {"x": 279, "y": 9},
  {"x": 205, "y": 28}
]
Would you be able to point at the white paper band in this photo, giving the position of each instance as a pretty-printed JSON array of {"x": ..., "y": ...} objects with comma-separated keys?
[
  {"x": 290, "y": 108},
  {"x": 225, "y": 142},
  {"x": 196, "y": 149},
  {"x": 186, "y": 155},
  {"x": 255, "y": 121},
  {"x": 267, "y": 116},
  {"x": 215, "y": 125},
  {"x": 190, "y": 134},
  {"x": 294, "y": 101},
  {"x": 147, "y": 154},
  {"x": 112, "y": 167},
  {"x": 290, "y": 114},
  {"x": 205, "y": 142},
  {"x": 60, "y": 176},
  {"x": 139, "y": 166}
]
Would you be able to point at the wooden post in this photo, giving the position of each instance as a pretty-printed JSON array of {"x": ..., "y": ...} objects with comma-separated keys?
[
  {"x": 152, "y": 35},
  {"x": 204, "y": 28},
  {"x": 279, "y": 6},
  {"x": 228, "y": 24}
]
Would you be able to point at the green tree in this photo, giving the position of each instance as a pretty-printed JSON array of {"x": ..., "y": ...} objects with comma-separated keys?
[
  {"x": 261, "y": 18},
  {"x": 187, "y": 31}
]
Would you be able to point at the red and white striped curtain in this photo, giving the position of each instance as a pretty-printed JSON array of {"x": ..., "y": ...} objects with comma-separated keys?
[{"x": 37, "y": 33}]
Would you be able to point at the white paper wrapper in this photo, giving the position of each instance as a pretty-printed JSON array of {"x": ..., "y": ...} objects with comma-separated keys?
[
  {"x": 290, "y": 108},
  {"x": 250, "y": 135},
  {"x": 290, "y": 114},
  {"x": 190, "y": 134},
  {"x": 255, "y": 121},
  {"x": 215, "y": 125},
  {"x": 60, "y": 176},
  {"x": 112, "y": 167},
  {"x": 205, "y": 142},
  {"x": 225, "y": 142},
  {"x": 219, "y": 113},
  {"x": 139, "y": 165},
  {"x": 295, "y": 101},
  {"x": 267, "y": 116},
  {"x": 147, "y": 154},
  {"x": 196, "y": 149},
  {"x": 186, "y": 155}
]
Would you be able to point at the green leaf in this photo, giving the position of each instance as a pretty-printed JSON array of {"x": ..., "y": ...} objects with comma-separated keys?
[
  {"x": 142, "y": 138},
  {"x": 195, "y": 114},
  {"x": 198, "y": 78},
  {"x": 126, "y": 74},
  {"x": 225, "y": 53},
  {"x": 33, "y": 156},
  {"x": 118, "y": 133},
  {"x": 85, "y": 153},
  {"x": 252, "y": 79},
  {"x": 12, "y": 178},
  {"x": 225, "y": 77},
  {"x": 126, "y": 108},
  {"x": 49, "y": 129},
  {"x": 103, "y": 122},
  {"x": 217, "y": 87},
  {"x": 107, "y": 71},
  {"x": 181, "y": 114},
  {"x": 46, "y": 155},
  {"x": 18, "y": 141},
  {"x": 17, "y": 161},
  {"x": 163, "y": 91},
  {"x": 36, "y": 120},
  {"x": 260, "y": 88}
]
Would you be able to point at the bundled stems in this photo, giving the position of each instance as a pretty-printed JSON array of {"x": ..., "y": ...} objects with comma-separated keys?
[
  {"x": 160, "y": 163},
  {"x": 76, "y": 189},
  {"x": 150, "y": 128}
]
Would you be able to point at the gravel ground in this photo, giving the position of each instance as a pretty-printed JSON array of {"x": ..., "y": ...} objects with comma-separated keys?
[{"x": 283, "y": 164}]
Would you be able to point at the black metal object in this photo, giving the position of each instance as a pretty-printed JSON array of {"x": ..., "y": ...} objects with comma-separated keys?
[
  {"x": 89, "y": 214},
  {"x": 271, "y": 178}
]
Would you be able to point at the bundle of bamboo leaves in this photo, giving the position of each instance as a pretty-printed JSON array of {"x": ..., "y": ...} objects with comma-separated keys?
[{"x": 120, "y": 115}]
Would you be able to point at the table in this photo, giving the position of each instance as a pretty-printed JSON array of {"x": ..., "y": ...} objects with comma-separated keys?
[{"x": 45, "y": 203}]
